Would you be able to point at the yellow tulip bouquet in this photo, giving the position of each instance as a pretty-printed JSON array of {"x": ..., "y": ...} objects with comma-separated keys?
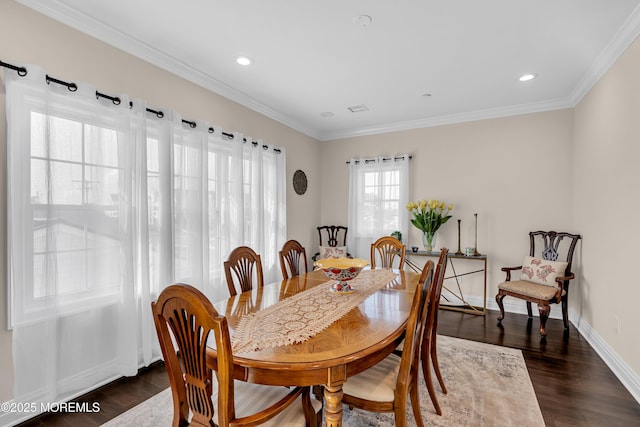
[{"x": 428, "y": 216}]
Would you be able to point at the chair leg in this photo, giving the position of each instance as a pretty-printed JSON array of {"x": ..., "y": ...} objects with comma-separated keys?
[
  {"x": 415, "y": 403},
  {"x": 436, "y": 365},
  {"x": 565, "y": 313},
  {"x": 426, "y": 372},
  {"x": 400, "y": 411},
  {"x": 311, "y": 418},
  {"x": 499, "y": 299},
  {"x": 529, "y": 309},
  {"x": 544, "y": 310}
]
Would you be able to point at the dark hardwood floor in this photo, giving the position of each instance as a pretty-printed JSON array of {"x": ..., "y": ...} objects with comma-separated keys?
[{"x": 573, "y": 385}]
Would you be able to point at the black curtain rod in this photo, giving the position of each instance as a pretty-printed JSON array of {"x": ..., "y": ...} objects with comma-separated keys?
[
  {"x": 22, "y": 71},
  {"x": 384, "y": 159}
]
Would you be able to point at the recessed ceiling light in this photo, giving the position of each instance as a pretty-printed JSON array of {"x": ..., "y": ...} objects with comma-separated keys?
[
  {"x": 327, "y": 114},
  {"x": 244, "y": 60},
  {"x": 426, "y": 95},
  {"x": 527, "y": 77}
]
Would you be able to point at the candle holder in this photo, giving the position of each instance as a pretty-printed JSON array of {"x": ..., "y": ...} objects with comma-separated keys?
[
  {"x": 475, "y": 245},
  {"x": 459, "y": 251}
]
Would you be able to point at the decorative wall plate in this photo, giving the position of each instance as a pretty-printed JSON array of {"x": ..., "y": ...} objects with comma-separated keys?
[{"x": 300, "y": 182}]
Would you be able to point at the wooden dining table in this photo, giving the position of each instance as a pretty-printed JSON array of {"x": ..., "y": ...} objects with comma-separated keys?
[{"x": 354, "y": 342}]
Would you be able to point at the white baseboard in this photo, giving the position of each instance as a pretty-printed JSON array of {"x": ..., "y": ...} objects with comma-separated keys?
[
  {"x": 9, "y": 418},
  {"x": 627, "y": 376}
]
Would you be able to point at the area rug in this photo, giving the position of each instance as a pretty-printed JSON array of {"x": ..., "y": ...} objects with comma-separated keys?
[{"x": 487, "y": 385}]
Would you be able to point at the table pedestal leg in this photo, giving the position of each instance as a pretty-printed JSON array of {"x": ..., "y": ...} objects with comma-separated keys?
[{"x": 333, "y": 405}]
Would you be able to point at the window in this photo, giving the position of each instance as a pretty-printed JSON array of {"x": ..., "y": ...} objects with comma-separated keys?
[
  {"x": 380, "y": 203},
  {"x": 75, "y": 180},
  {"x": 378, "y": 194}
]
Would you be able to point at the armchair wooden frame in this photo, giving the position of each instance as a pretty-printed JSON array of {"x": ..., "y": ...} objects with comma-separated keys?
[
  {"x": 184, "y": 316},
  {"x": 293, "y": 259},
  {"x": 241, "y": 263},
  {"x": 550, "y": 242},
  {"x": 387, "y": 248}
]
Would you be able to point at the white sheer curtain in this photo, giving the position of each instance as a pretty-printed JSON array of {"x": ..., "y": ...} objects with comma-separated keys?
[
  {"x": 71, "y": 237},
  {"x": 265, "y": 227},
  {"x": 378, "y": 196},
  {"x": 107, "y": 205}
]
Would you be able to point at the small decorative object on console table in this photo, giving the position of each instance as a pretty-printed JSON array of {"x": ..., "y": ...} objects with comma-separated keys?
[
  {"x": 429, "y": 241},
  {"x": 428, "y": 216},
  {"x": 459, "y": 252},
  {"x": 475, "y": 244}
]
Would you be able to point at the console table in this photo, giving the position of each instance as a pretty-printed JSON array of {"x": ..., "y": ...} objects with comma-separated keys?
[{"x": 464, "y": 306}]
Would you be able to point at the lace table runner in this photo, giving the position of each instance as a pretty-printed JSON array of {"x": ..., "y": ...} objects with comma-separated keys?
[{"x": 303, "y": 315}]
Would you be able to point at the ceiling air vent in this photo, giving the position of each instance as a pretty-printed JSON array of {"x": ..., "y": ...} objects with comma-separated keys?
[{"x": 358, "y": 108}]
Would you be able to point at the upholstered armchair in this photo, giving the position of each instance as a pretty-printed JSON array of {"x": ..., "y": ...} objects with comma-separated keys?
[{"x": 544, "y": 275}]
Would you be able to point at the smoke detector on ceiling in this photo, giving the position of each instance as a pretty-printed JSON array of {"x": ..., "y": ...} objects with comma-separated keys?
[{"x": 362, "y": 20}]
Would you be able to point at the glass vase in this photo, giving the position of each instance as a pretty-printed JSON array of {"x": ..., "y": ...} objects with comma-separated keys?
[{"x": 429, "y": 240}]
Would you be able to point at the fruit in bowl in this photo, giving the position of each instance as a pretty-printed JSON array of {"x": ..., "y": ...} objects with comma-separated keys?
[{"x": 342, "y": 270}]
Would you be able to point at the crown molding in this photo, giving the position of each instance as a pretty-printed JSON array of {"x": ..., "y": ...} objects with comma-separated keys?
[
  {"x": 626, "y": 35},
  {"x": 492, "y": 113}
]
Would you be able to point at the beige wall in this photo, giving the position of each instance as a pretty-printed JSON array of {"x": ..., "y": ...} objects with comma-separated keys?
[
  {"x": 500, "y": 169},
  {"x": 29, "y": 38},
  {"x": 606, "y": 204}
]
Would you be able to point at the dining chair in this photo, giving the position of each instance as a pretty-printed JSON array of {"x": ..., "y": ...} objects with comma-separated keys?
[
  {"x": 387, "y": 386},
  {"x": 387, "y": 248},
  {"x": 293, "y": 259},
  {"x": 429, "y": 351},
  {"x": 428, "y": 347},
  {"x": 241, "y": 264},
  {"x": 184, "y": 319}
]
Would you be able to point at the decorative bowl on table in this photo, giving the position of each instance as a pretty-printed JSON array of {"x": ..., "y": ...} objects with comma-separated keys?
[{"x": 342, "y": 270}]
